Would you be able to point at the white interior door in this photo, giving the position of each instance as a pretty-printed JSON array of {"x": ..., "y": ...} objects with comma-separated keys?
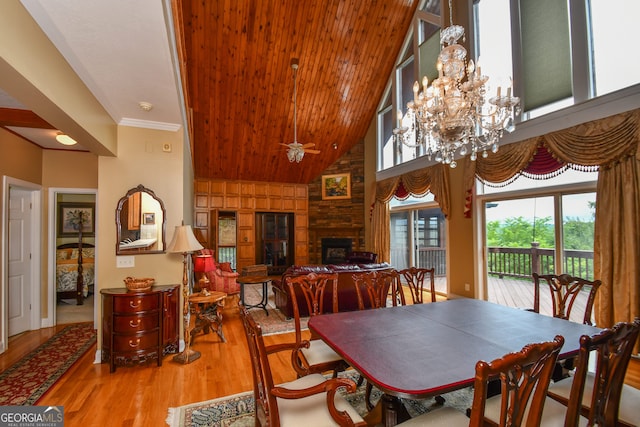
[{"x": 19, "y": 260}]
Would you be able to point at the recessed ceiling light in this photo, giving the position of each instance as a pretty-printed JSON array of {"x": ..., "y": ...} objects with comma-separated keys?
[{"x": 65, "y": 139}]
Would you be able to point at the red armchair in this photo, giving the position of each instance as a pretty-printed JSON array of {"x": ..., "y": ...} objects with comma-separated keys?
[{"x": 219, "y": 279}]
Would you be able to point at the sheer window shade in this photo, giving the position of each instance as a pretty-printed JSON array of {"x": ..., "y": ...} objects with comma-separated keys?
[
  {"x": 546, "y": 52},
  {"x": 429, "y": 51}
]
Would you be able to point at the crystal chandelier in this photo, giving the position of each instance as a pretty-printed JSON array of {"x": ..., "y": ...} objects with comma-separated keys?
[{"x": 455, "y": 113}]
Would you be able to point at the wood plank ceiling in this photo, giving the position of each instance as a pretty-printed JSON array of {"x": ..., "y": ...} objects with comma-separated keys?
[{"x": 239, "y": 83}]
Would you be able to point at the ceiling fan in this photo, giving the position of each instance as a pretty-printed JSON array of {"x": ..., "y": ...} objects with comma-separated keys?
[{"x": 296, "y": 151}]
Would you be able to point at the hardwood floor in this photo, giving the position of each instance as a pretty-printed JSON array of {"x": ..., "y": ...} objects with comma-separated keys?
[{"x": 141, "y": 395}]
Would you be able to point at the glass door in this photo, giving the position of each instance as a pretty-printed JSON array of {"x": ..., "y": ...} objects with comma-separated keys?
[{"x": 550, "y": 234}]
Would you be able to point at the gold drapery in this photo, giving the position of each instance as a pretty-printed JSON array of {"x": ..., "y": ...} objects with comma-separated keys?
[
  {"x": 434, "y": 179},
  {"x": 613, "y": 144}
]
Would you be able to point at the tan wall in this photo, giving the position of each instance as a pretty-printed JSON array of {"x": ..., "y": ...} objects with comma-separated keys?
[
  {"x": 69, "y": 169},
  {"x": 370, "y": 167},
  {"x": 62, "y": 169},
  {"x": 20, "y": 159},
  {"x": 140, "y": 161},
  {"x": 460, "y": 267}
]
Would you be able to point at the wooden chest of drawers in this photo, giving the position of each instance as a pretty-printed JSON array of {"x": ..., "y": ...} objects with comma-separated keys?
[{"x": 138, "y": 327}]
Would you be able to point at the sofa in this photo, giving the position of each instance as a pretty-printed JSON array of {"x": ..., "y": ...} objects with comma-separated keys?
[
  {"x": 361, "y": 257},
  {"x": 347, "y": 297}
]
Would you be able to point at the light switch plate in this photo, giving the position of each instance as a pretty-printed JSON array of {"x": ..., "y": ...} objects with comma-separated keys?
[{"x": 125, "y": 261}]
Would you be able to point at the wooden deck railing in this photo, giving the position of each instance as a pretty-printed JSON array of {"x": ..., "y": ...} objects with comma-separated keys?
[
  {"x": 507, "y": 262},
  {"x": 522, "y": 262}
]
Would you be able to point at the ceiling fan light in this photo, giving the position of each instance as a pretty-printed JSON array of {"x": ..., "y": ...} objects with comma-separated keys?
[
  {"x": 291, "y": 155},
  {"x": 65, "y": 139}
]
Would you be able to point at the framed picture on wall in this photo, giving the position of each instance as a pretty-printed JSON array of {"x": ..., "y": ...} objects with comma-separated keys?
[
  {"x": 71, "y": 215},
  {"x": 337, "y": 186},
  {"x": 148, "y": 218}
]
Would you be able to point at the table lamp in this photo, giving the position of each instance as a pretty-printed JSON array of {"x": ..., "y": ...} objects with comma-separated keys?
[
  {"x": 202, "y": 264},
  {"x": 185, "y": 242}
]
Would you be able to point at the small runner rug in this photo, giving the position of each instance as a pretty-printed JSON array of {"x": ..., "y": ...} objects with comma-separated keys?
[
  {"x": 29, "y": 379},
  {"x": 238, "y": 410},
  {"x": 275, "y": 322}
]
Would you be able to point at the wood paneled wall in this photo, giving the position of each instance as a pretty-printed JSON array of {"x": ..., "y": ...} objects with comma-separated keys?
[{"x": 245, "y": 198}]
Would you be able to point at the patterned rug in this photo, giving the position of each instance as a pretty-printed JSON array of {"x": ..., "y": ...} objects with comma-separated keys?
[
  {"x": 29, "y": 379},
  {"x": 273, "y": 323},
  {"x": 237, "y": 410}
]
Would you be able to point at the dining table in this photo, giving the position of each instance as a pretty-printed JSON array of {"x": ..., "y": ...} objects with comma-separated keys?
[{"x": 424, "y": 350}]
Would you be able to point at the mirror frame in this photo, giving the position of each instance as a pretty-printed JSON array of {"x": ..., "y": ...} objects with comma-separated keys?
[{"x": 143, "y": 189}]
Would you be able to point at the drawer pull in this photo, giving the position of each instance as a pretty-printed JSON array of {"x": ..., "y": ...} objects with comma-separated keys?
[
  {"x": 134, "y": 344},
  {"x": 134, "y": 305},
  {"x": 134, "y": 324}
]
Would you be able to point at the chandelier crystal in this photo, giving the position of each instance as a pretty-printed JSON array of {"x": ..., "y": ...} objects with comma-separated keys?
[{"x": 456, "y": 114}]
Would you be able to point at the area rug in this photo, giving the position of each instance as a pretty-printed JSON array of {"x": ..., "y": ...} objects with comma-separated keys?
[
  {"x": 29, "y": 379},
  {"x": 238, "y": 410},
  {"x": 275, "y": 322}
]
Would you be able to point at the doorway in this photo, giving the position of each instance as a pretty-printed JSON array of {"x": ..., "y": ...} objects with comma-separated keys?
[
  {"x": 544, "y": 234},
  {"x": 65, "y": 305}
]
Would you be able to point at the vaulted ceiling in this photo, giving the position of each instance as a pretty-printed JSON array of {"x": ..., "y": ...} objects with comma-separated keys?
[
  {"x": 235, "y": 58},
  {"x": 240, "y": 83}
]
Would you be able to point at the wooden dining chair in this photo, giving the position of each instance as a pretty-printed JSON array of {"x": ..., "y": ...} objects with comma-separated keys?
[
  {"x": 313, "y": 355},
  {"x": 415, "y": 278},
  {"x": 524, "y": 378},
  {"x": 564, "y": 290},
  {"x": 601, "y": 397},
  {"x": 375, "y": 286},
  {"x": 295, "y": 403}
]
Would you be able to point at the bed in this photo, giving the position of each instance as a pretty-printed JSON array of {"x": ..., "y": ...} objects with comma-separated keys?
[{"x": 67, "y": 261}]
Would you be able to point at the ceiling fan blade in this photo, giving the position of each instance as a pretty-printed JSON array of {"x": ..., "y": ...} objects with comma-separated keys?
[
  {"x": 306, "y": 150},
  {"x": 282, "y": 143},
  {"x": 308, "y": 145}
]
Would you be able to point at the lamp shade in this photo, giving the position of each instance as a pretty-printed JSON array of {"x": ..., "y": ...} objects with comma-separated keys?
[
  {"x": 203, "y": 263},
  {"x": 183, "y": 240}
]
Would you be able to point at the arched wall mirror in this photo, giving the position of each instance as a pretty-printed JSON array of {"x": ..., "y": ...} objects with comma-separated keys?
[{"x": 140, "y": 223}]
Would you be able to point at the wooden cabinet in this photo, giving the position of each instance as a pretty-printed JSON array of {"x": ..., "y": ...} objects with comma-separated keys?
[
  {"x": 274, "y": 241},
  {"x": 138, "y": 327}
]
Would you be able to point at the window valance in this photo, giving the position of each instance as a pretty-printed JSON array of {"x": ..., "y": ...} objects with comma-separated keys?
[
  {"x": 417, "y": 183},
  {"x": 587, "y": 146}
]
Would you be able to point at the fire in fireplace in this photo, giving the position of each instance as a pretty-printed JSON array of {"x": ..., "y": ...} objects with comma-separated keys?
[{"x": 335, "y": 250}]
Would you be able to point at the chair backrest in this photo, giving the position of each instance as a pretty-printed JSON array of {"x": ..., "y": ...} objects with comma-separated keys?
[
  {"x": 266, "y": 408},
  {"x": 415, "y": 278},
  {"x": 564, "y": 291},
  {"x": 375, "y": 285},
  {"x": 312, "y": 286},
  {"x": 524, "y": 377},
  {"x": 612, "y": 349}
]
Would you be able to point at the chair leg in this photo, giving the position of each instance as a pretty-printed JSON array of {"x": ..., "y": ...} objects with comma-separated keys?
[{"x": 367, "y": 396}]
